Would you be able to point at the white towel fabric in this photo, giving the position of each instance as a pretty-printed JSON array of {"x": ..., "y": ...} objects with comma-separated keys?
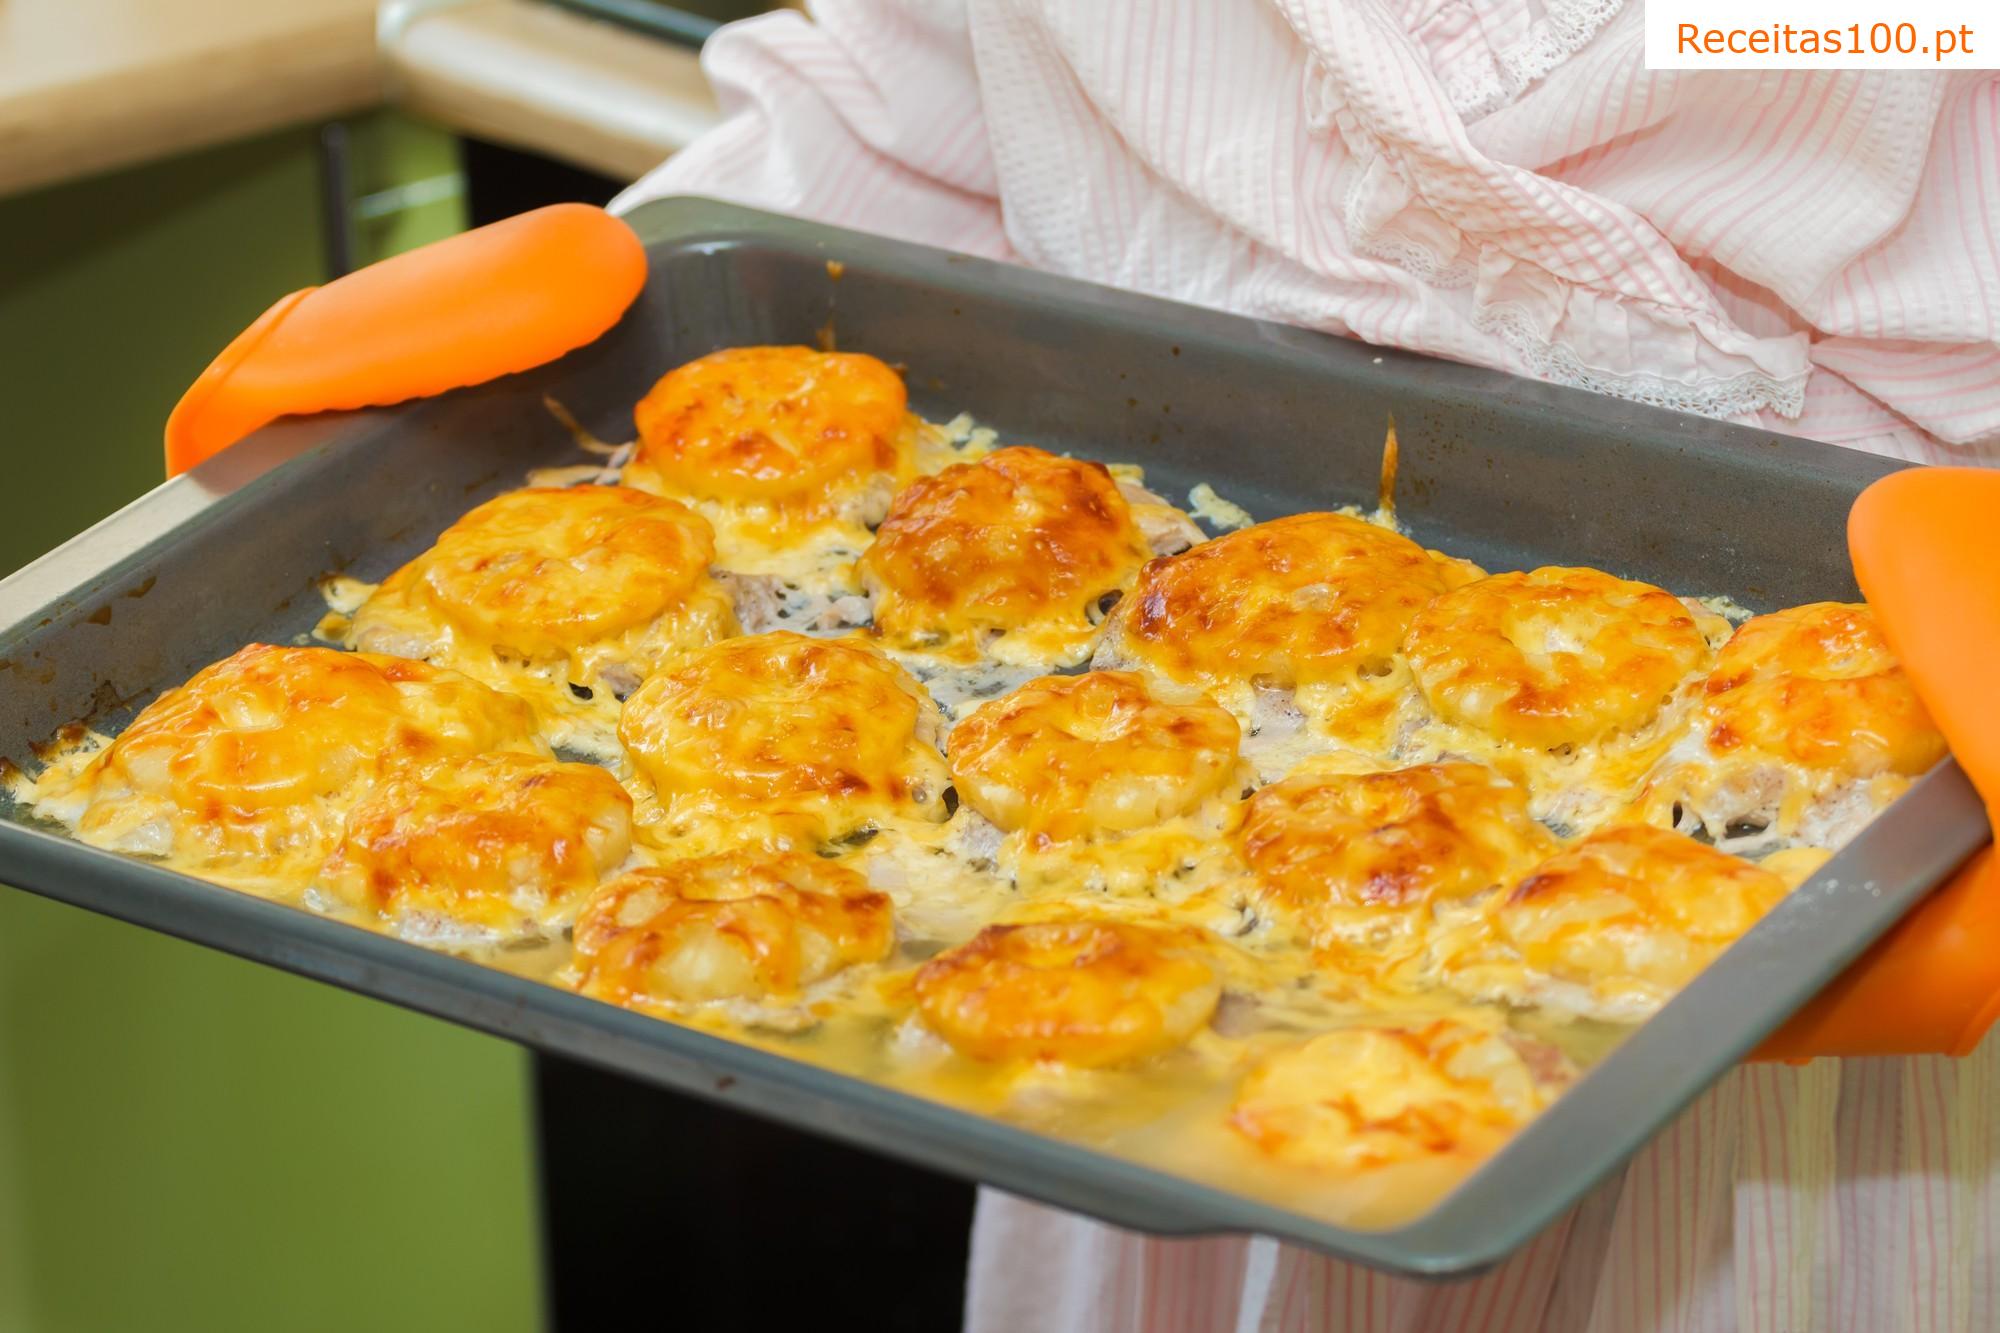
[
  {"x": 1502, "y": 182},
  {"x": 1853, "y": 1196},
  {"x": 1496, "y": 181}
]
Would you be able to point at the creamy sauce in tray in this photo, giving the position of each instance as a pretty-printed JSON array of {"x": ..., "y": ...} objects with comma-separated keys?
[
  {"x": 1171, "y": 1113},
  {"x": 1285, "y": 896}
]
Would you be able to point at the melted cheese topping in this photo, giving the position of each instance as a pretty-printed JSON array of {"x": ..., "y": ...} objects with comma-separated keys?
[
  {"x": 813, "y": 737},
  {"x": 741, "y": 925},
  {"x": 780, "y": 448},
  {"x": 1091, "y": 784},
  {"x": 1069, "y": 756},
  {"x": 1213, "y": 509},
  {"x": 1816, "y": 686},
  {"x": 1315, "y": 604},
  {"x": 1795, "y": 865},
  {"x": 1614, "y": 925},
  {"x": 540, "y": 590},
  {"x": 1366, "y": 858},
  {"x": 244, "y": 773},
  {"x": 1806, "y": 728},
  {"x": 1568, "y": 681},
  {"x": 1142, "y": 932},
  {"x": 1078, "y": 992},
  {"x": 1008, "y": 557},
  {"x": 1554, "y": 657},
  {"x": 1362, "y": 1098},
  {"x": 493, "y": 846}
]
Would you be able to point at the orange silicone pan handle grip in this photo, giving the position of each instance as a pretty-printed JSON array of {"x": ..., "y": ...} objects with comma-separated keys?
[
  {"x": 467, "y": 309},
  {"x": 1926, "y": 548}
]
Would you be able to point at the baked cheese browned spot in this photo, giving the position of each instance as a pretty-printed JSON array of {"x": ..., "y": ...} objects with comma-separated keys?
[
  {"x": 540, "y": 590},
  {"x": 1554, "y": 657},
  {"x": 1367, "y": 1097},
  {"x": 1569, "y": 681},
  {"x": 1009, "y": 557},
  {"x": 1612, "y": 926},
  {"x": 1114, "y": 931},
  {"x": 743, "y": 925},
  {"x": 1071, "y": 756},
  {"x": 244, "y": 773},
  {"x": 1367, "y": 858},
  {"x": 1077, "y": 992},
  {"x": 1307, "y": 612},
  {"x": 1807, "y": 726},
  {"x": 494, "y": 846},
  {"x": 781, "y": 448},
  {"x": 786, "y": 738},
  {"x": 1817, "y": 686}
]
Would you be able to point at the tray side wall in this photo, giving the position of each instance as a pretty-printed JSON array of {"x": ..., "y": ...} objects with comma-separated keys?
[{"x": 1501, "y": 470}]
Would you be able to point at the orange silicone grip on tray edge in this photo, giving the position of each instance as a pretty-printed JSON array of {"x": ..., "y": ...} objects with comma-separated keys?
[
  {"x": 464, "y": 310},
  {"x": 1926, "y": 548}
]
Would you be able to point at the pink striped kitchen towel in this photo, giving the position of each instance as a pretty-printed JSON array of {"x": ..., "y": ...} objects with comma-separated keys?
[
  {"x": 1500, "y": 182},
  {"x": 1496, "y": 181},
  {"x": 1854, "y": 1196}
]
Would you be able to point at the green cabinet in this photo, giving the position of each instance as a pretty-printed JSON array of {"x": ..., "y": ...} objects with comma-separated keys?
[{"x": 188, "y": 1141}]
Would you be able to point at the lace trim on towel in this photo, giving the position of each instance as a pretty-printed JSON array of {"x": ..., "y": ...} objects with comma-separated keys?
[
  {"x": 1564, "y": 30},
  {"x": 1445, "y": 272},
  {"x": 1734, "y": 397},
  {"x": 1326, "y": 111}
]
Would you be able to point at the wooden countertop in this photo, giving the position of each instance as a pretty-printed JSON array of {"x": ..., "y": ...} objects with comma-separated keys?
[{"x": 89, "y": 85}]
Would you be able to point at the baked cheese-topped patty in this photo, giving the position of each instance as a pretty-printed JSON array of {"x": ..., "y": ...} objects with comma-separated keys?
[
  {"x": 1807, "y": 726},
  {"x": 1304, "y": 613},
  {"x": 1370, "y": 857},
  {"x": 1613, "y": 925},
  {"x": 1816, "y": 686},
  {"x": 781, "y": 448},
  {"x": 245, "y": 772},
  {"x": 542, "y": 590},
  {"x": 1081, "y": 992},
  {"x": 491, "y": 847},
  {"x": 1569, "y": 681},
  {"x": 1010, "y": 557},
  {"x": 1361, "y": 1098},
  {"x": 742, "y": 925},
  {"x": 787, "y": 737},
  {"x": 1072, "y": 756},
  {"x": 1554, "y": 657},
  {"x": 1269, "y": 898}
]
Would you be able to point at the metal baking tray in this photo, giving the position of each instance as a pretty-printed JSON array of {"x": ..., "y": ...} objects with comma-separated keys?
[{"x": 1508, "y": 472}]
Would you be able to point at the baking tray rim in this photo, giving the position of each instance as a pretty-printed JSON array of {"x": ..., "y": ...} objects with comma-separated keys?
[
  {"x": 1454, "y": 1237},
  {"x": 1448, "y": 1241}
]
